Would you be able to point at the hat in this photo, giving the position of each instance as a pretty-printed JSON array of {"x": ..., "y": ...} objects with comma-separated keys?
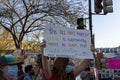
[{"x": 9, "y": 60}]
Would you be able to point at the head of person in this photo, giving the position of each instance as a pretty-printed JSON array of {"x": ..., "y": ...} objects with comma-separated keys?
[
  {"x": 60, "y": 65},
  {"x": 8, "y": 65},
  {"x": 70, "y": 67},
  {"x": 29, "y": 69},
  {"x": 69, "y": 71}
]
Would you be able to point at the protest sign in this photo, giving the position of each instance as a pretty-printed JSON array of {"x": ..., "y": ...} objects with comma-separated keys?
[{"x": 67, "y": 42}]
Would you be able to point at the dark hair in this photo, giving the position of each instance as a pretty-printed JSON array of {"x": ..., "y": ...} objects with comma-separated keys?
[
  {"x": 3, "y": 61},
  {"x": 70, "y": 76},
  {"x": 28, "y": 68},
  {"x": 59, "y": 67}
]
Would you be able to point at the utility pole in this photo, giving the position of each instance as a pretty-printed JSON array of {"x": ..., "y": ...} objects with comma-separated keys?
[
  {"x": 90, "y": 21},
  {"x": 91, "y": 33}
]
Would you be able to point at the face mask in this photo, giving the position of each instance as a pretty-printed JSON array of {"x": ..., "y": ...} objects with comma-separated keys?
[
  {"x": 13, "y": 71},
  {"x": 69, "y": 68}
]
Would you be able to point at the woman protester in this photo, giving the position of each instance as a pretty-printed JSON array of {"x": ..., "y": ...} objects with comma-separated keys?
[{"x": 62, "y": 70}]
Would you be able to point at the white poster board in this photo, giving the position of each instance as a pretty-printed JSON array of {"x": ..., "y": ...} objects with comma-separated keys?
[{"x": 67, "y": 42}]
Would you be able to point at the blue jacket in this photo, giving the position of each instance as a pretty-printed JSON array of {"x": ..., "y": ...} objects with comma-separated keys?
[{"x": 28, "y": 77}]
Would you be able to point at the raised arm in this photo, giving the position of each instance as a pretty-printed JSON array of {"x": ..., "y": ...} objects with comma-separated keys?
[
  {"x": 45, "y": 64},
  {"x": 84, "y": 64},
  {"x": 81, "y": 67}
]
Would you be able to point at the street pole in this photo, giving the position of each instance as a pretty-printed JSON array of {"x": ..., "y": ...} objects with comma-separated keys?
[
  {"x": 90, "y": 21},
  {"x": 91, "y": 33}
]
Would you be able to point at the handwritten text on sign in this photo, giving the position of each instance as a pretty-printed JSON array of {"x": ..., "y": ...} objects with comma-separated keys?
[{"x": 67, "y": 42}]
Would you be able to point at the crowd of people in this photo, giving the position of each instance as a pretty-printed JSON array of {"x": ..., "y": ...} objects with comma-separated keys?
[
  {"x": 61, "y": 69},
  {"x": 11, "y": 69}
]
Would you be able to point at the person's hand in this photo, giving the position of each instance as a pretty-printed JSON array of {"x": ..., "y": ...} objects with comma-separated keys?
[{"x": 43, "y": 44}]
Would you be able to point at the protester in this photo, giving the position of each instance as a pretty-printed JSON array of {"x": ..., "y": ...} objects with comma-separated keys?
[
  {"x": 12, "y": 69},
  {"x": 8, "y": 67},
  {"x": 59, "y": 71},
  {"x": 29, "y": 72},
  {"x": 21, "y": 73}
]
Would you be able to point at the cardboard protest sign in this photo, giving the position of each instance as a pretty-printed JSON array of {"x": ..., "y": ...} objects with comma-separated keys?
[{"x": 67, "y": 42}]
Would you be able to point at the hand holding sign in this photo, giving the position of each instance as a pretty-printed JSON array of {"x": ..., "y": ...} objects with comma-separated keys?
[{"x": 43, "y": 44}]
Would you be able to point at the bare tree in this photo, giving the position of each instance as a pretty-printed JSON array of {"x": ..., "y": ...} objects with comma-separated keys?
[{"x": 20, "y": 17}]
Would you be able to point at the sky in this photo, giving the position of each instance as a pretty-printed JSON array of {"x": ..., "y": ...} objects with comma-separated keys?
[{"x": 107, "y": 27}]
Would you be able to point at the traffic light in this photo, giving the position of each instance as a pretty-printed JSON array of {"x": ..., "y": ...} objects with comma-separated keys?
[
  {"x": 107, "y": 6},
  {"x": 98, "y": 6},
  {"x": 80, "y": 23}
]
